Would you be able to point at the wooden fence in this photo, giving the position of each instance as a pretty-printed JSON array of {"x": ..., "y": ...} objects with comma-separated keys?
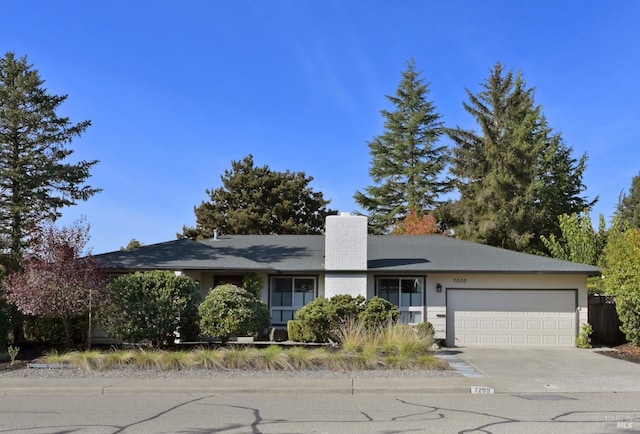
[{"x": 603, "y": 317}]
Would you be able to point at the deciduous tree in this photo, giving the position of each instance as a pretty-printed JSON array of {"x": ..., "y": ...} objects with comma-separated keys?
[
  {"x": 406, "y": 161},
  {"x": 515, "y": 175},
  {"x": 56, "y": 279},
  {"x": 260, "y": 201},
  {"x": 621, "y": 262},
  {"x": 416, "y": 224}
]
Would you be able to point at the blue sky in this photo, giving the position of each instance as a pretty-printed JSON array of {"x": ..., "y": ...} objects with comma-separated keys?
[{"x": 176, "y": 90}]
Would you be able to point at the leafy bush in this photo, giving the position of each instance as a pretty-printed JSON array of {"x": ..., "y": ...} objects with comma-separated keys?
[
  {"x": 584, "y": 338},
  {"x": 321, "y": 319},
  {"x": 378, "y": 312},
  {"x": 231, "y": 311},
  {"x": 294, "y": 330},
  {"x": 4, "y": 324},
  {"x": 51, "y": 330},
  {"x": 151, "y": 306},
  {"x": 425, "y": 330}
]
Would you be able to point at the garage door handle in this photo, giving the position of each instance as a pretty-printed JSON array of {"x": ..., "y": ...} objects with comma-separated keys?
[{"x": 441, "y": 315}]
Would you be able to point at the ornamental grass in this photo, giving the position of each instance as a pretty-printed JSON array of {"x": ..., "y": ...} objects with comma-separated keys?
[{"x": 389, "y": 346}]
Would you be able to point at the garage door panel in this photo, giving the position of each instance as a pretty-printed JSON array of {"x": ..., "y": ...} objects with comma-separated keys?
[{"x": 511, "y": 317}]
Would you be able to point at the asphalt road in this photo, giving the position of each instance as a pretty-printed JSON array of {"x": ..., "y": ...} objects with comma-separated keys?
[{"x": 321, "y": 413}]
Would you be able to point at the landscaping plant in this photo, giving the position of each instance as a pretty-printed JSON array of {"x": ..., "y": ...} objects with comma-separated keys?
[
  {"x": 232, "y": 311},
  {"x": 151, "y": 306}
]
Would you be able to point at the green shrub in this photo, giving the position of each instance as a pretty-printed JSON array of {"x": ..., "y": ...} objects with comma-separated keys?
[
  {"x": 294, "y": 330},
  {"x": 51, "y": 330},
  {"x": 321, "y": 319},
  {"x": 584, "y": 338},
  {"x": 4, "y": 324},
  {"x": 231, "y": 311},
  {"x": 378, "y": 312},
  {"x": 425, "y": 330},
  {"x": 151, "y": 306}
]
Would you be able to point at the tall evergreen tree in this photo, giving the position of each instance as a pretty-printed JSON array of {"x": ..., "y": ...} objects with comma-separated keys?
[
  {"x": 406, "y": 161},
  {"x": 629, "y": 205},
  {"x": 515, "y": 176},
  {"x": 257, "y": 200},
  {"x": 36, "y": 178}
]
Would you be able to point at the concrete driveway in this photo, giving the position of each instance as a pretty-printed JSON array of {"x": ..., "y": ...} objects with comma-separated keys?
[{"x": 539, "y": 370}]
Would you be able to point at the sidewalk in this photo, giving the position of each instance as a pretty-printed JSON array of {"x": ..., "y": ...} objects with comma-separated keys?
[
  {"x": 97, "y": 386},
  {"x": 505, "y": 370}
]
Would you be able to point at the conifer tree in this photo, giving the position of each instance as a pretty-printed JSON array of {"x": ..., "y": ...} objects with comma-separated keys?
[
  {"x": 406, "y": 162},
  {"x": 515, "y": 176},
  {"x": 259, "y": 201},
  {"x": 36, "y": 178},
  {"x": 628, "y": 209}
]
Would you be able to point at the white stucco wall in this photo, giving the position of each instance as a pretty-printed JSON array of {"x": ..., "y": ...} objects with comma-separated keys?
[{"x": 353, "y": 284}]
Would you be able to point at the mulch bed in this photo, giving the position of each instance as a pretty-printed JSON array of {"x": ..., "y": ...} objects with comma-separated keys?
[{"x": 624, "y": 352}]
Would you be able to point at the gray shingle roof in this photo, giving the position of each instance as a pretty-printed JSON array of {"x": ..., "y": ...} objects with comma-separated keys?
[{"x": 305, "y": 253}]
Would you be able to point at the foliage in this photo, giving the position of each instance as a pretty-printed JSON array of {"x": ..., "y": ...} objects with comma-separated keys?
[
  {"x": 231, "y": 311},
  {"x": 4, "y": 324},
  {"x": 584, "y": 338},
  {"x": 13, "y": 353},
  {"x": 57, "y": 281},
  {"x": 133, "y": 244},
  {"x": 387, "y": 347},
  {"x": 629, "y": 205},
  {"x": 320, "y": 320},
  {"x": 49, "y": 330},
  {"x": 406, "y": 162},
  {"x": 378, "y": 312},
  {"x": 417, "y": 224},
  {"x": 151, "y": 306},
  {"x": 578, "y": 241},
  {"x": 516, "y": 176},
  {"x": 621, "y": 260},
  {"x": 36, "y": 178},
  {"x": 425, "y": 330},
  {"x": 258, "y": 200},
  {"x": 252, "y": 283},
  {"x": 294, "y": 330}
]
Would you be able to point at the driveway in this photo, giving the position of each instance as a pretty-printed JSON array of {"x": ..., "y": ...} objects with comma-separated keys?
[{"x": 539, "y": 370}]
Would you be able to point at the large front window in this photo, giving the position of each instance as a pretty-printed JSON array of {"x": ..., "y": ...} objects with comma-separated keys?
[
  {"x": 405, "y": 292},
  {"x": 288, "y": 294}
]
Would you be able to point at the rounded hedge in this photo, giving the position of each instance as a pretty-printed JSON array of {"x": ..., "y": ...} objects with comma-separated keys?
[
  {"x": 232, "y": 311},
  {"x": 151, "y": 306}
]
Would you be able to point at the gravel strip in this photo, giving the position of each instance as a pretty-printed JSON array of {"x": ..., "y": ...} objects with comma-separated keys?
[{"x": 138, "y": 373}]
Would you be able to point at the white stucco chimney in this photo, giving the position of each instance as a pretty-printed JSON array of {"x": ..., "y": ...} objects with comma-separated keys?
[
  {"x": 345, "y": 255},
  {"x": 345, "y": 242}
]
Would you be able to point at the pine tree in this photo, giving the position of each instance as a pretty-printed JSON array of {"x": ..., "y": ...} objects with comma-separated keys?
[
  {"x": 36, "y": 178},
  {"x": 515, "y": 176},
  {"x": 257, "y": 200},
  {"x": 629, "y": 205},
  {"x": 406, "y": 161}
]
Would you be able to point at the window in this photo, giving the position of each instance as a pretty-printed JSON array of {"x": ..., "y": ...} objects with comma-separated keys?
[
  {"x": 405, "y": 292},
  {"x": 288, "y": 294}
]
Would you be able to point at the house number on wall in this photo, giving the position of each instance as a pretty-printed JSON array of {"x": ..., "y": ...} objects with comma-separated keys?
[{"x": 459, "y": 280}]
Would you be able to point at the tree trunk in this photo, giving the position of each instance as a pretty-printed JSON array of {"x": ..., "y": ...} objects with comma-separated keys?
[
  {"x": 67, "y": 332},
  {"x": 17, "y": 323}
]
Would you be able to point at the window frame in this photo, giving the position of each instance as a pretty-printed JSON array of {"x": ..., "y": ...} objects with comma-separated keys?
[
  {"x": 294, "y": 307},
  {"x": 405, "y": 310}
]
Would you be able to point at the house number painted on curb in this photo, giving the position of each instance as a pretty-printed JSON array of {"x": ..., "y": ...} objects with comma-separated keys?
[{"x": 480, "y": 389}]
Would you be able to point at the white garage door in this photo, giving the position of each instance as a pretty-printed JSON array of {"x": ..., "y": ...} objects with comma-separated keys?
[{"x": 511, "y": 317}]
